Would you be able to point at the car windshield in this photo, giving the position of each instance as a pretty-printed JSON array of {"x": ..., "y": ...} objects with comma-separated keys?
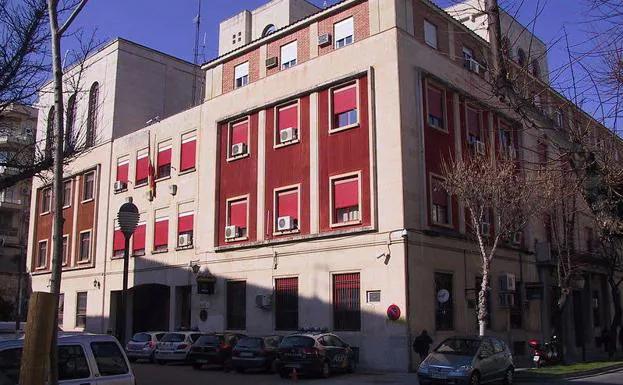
[
  {"x": 173, "y": 337},
  {"x": 297, "y": 342},
  {"x": 141, "y": 337},
  {"x": 209, "y": 340},
  {"x": 250, "y": 343},
  {"x": 458, "y": 346}
]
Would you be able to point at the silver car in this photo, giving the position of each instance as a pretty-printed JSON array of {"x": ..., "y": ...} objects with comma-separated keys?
[
  {"x": 468, "y": 360},
  {"x": 175, "y": 346},
  {"x": 143, "y": 346}
]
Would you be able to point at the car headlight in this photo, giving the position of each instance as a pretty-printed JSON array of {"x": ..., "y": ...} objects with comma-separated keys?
[
  {"x": 423, "y": 367},
  {"x": 462, "y": 371}
]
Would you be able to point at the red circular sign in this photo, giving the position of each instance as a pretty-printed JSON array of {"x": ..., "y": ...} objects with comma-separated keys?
[{"x": 393, "y": 312}]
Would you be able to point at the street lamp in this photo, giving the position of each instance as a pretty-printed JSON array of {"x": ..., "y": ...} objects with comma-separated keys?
[{"x": 127, "y": 218}]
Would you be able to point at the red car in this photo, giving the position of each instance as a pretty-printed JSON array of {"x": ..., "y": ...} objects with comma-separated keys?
[{"x": 214, "y": 349}]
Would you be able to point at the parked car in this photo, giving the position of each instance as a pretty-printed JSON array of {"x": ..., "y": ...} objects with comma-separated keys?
[
  {"x": 255, "y": 353},
  {"x": 468, "y": 360},
  {"x": 175, "y": 346},
  {"x": 314, "y": 353},
  {"x": 143, "y": 346},
  {"x": 214, "y": 349},
  {"x": 82, "y": 359}
]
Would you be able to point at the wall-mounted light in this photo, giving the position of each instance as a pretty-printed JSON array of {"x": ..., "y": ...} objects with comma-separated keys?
[{"x": 173, "y": 189}]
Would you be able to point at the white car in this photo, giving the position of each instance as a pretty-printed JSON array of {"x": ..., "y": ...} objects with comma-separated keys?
[
  {"x": 175, "y": 346},
  {"x": 82, "y": 359}
]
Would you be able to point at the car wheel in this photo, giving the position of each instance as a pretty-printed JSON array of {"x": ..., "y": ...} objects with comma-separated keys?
[
  {"x": 160, "y": 362},
  {"x": 326, "y": 370},
  {"x": 152, "y": 359},
  {"x": 227, "y": 366},
  {"x": 474, "y": 379},
  {"x": 197, "y": 366},
  {"x": 272, "y": 368},
  {"x": 352, "y": 366},
  {"x": 508, "y": 376}
]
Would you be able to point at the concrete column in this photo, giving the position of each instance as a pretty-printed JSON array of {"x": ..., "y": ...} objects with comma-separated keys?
[
  {"x": 313, "y": 40},
  {"x": 458, "y": 150},
  {"x": 314, "y": 189},
  {"x": 172, "y": 307},
  {"x": 261, "y": 176},
  {"x": 263, "y": 55}
]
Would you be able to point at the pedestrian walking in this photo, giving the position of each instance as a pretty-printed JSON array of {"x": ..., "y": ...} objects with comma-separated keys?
[{"x": 421, "y": 344}]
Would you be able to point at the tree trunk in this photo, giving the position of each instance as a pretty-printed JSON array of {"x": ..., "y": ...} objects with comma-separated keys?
[
  {"x": 57, "y": 235},
  {"x": 559, "y": 325},
  {"x": 483, "y": 297}
]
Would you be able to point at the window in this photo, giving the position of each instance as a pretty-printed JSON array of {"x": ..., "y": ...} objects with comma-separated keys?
[
  {"x": 287, "y": 303},
  {"x": 118, "y": 243},
  {"x": 478, "y": 284},
  {"x": 236, "y": 305},
  {"x": 516, "y": 311},
  {"x": 109, "y": 359},
  {"x": 65, "y": 252},
  {"x": 444, "y": 302},
  {"x": 237, "y": 216},
  {"x": 61, "y": 308},
  {"x": 89, "y": 183},
  {"x": 188, "y": 152},
  {"x": 138, "y": 239},
  {"x": 287, "y": 209},
  {"x": 430, "y": 34},
  {"x": 588, "y": 236},
  {"x": 164, "y": 160},
  {"x": 123, "y": 166},
  {"x": 142, "y": 167},
  {"x": 542, "y": 153},
  {"x": 473, "y": 125},
  {"x": 343, "y": 32},
  {"x": 72, "y": 363},
  {"x": 239, "y": 138},
  {"x": 344, "y": 108},
  {"x": 161, "y": 234},
  {"x": 345, "y": 200},
  {"x": 49, "y": 133},
  {"x": 81, "y": 309},
  {"x": 66, "y": 193},
  {"x": 288, "y": 55},
  {"x": 185, "y": 226},
  {"x": 506, "y": 138},
  {"x": 536, "y": 69},
  {"x": 287, "y": 124},
  {"x": 92, "y": 115},
  {"x": 46, "y": 200},
  {"x": 434, "y": 103},
  {"x": 241, "y": 75},
  {"x": 559, "y": 120},
  {"x": 42, "y": 255},
  {"x": 468, "y": 55},
  {"x": 85, "y": 246},
  {"x": 440, "y": 205},
  {"x": 70, "y": 139},
  {"x": 346, "y": 302},
  {"x": 521, "y": 57},
  {"x": 270, "y": 28}
]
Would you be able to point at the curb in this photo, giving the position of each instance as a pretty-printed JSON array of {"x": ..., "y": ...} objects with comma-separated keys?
[{"x": 578, "y": 375}]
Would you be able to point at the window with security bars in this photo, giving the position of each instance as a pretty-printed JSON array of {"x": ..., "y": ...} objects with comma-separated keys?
[
  {"x": 236, "y": 305},
  {"x": 516, "y": 311},
  {"x": 81, "y": 309},
  {"x": 287, "y": 303},
  {"x": 444, "y": 302},
  {"x": 346, "y": 302}
]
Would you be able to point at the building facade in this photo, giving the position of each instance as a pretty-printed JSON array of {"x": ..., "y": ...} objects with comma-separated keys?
[{"x": 300, "y": 192}]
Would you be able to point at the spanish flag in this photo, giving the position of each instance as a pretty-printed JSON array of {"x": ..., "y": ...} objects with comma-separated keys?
[{"x": 152, "y": 173}]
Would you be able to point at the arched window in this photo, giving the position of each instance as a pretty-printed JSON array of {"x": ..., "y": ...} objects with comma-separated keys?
[
  {"x": 270, "y": 28},
  {"x": 536, "y": 69},
  {"x": 49, "y": 133},
  {"x": 521, "y": 57},
  {"x": 92, "y": 115},
  {"x": 71, "y": 121}
]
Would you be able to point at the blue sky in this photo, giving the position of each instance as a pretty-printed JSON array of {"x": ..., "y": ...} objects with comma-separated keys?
[{"x": 167, "y": 25}]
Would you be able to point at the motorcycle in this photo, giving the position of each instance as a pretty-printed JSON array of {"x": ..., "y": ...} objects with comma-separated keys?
[{"x": 546, "y": 353}]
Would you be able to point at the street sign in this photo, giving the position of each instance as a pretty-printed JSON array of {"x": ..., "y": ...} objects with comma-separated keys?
[{"x": 393, "y": 312}]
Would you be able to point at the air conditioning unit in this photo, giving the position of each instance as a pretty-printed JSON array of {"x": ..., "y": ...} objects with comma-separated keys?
[
  {"x": 512, "y": 152},
  {"x": 120, "y": 186},
  {"x": 479, "y": 147},
  {"x": 272, "y": 62},
  {"x": 238, "y": 149},
  {"x": 324, "y": 39},
  {"x": 516, "y": 239},
  {"x": 485, "y": 229},
  {"x": 288, "y": 134},
  {"x": 508, "y": 282},
  {"x": 184, "y": 240},
  {"x": 474, "y": 66},
  {"x": 507, "y": 300},
  {"x": 285, "y": 223},
  {"x": 231, "y": 232},
  {"x": 263, "y": 301}
]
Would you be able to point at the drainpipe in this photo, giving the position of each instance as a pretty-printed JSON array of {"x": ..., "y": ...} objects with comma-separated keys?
[{"x": 405, "y": 239}]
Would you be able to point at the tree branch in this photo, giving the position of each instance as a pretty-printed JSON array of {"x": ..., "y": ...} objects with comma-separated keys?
[{"x": 71, "y": 17}]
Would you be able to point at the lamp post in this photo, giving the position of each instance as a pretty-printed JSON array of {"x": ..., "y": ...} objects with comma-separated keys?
[{"x": 127, "y": 217}]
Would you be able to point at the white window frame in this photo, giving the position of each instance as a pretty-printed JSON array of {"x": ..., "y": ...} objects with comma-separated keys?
[
  {"x": 79, "y": 260},
  {"x": 84, "y": 189},
  {"x": 165, "y": 248},
  {"x": 65, "y": 257},
  {"x": 332, "y": 129},
  {"x": 86, "y": 312},
  {"x": 342, "y": 31},
  {"x": 450, "y": 224},
  {"x": 163, "y": 146},
  {"x": 294, "y": 187},
  {"x": 241, "y": 71},
  {"x": 140, "y": 154},
  {"x": 71, "y": 191},
  {"x": 332, "y": 179},
  {"x": 228, "y": 203},
  {"x": 187, "y": 137},
  {"x": 38, "y": 266},
  {"x": 230, "y": 130},
  {"x": 431, "y": 37},
  {"x": 144, "y": 223},
  {"x": 444, "y": 112},
  {"x": 289, "y": 55},
  {"x": 286, "y": 105},
  {"x": 47, "y": 209}
]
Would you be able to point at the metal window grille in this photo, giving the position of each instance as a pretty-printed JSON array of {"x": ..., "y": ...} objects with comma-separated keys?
[
  {"x": 346, "y": 302},
  {"x": 444, "y": 311},
  {"x": 286, "y": 303},
  {"x": 236, "y": 305}
]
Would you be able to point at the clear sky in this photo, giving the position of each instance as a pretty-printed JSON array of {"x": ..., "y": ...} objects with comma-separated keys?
[{"x": 167, "y": 25}]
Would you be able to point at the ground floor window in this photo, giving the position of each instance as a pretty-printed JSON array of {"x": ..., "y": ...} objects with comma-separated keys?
[
  {"x": 236, "y": 305},
  {"x": 287, "y": 303},
  {"x": 516, "y": 310},
  {"x": 81, "y": 309},
  {"x": 444, "y": 303},
  {"x": 346, "y": 302}
]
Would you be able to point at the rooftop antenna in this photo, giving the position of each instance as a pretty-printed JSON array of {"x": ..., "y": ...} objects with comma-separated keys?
[{"x": 197, "y": 21}]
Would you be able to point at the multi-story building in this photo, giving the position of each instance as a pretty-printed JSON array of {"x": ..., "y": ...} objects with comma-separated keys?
[
  {"x": 17, "y": 128},
  {"x": 300, "y": 192}
]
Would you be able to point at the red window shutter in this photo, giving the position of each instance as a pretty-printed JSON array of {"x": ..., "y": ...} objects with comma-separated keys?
[
  {"x": 435, "y": 102},
  {"x": 288, "y": 117},
  {"x": 287, "y": 204},
  {"x": 287, "y": 285},
  {"x": 161, "y": 233},
  {"x": 344, "y": 99},
  {"x": 346, "y": 281},
  {"x": 122, "y": 171},
  {"x": 440, "y": 196},
  {"x": 473, "y": 123},
  {"x": 185, "y": 223},
  {"x": 142, "y": 168},
  {"x": 118, "y": 240},
  {"x": 240, "y": 133},
  {"x": 138, "y": 238},
  {"x": 164, "y": 157},
  {"x": 238, "y": 213},
  {"x": 345, "y": 193},
  {"x": 188, "y": 154}
]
